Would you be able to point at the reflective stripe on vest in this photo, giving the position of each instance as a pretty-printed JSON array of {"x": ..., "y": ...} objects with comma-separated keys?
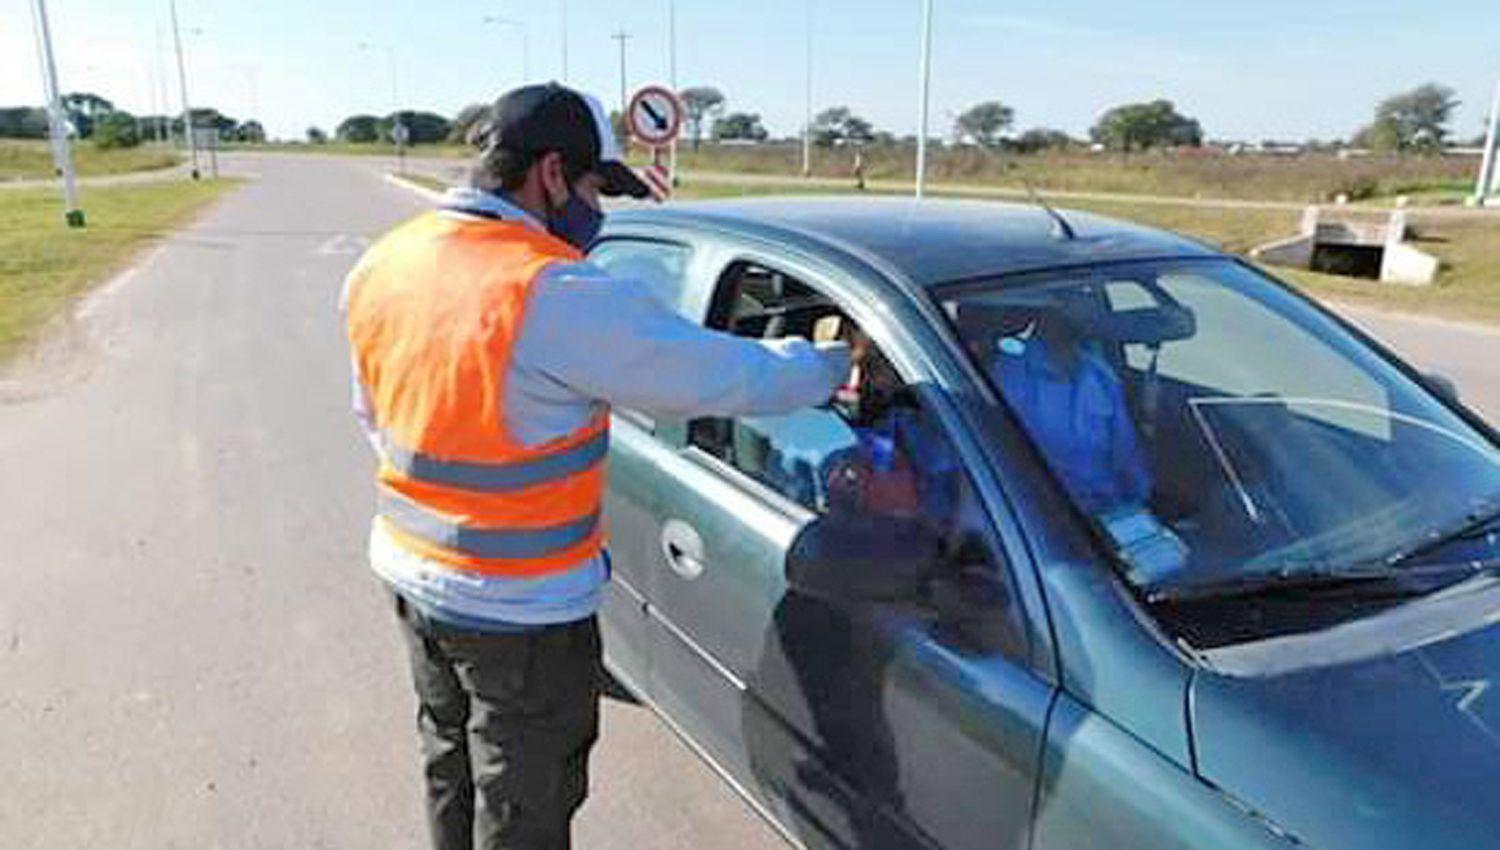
[
  {"x": 490, "y": 543},
  {"x": 498, "y": 477}
]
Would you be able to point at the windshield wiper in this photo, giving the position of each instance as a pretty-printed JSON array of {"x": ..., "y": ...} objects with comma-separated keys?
[
  {"x": 1366, "y": 581},
  {"x": 1471, "y": 526}
]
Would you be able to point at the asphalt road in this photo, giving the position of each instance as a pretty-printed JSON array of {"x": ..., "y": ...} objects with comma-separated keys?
[{"x": 192, "y": 650}]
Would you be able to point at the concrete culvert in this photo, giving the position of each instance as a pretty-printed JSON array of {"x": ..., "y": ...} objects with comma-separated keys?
[{"x": 1372, "y": 250}]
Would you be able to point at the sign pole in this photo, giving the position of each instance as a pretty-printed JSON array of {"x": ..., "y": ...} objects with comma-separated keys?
[
  {"x": 1486, "y": 184},
  {"x": 672, "y": 74},
  {"x": 62, "y": 155}
]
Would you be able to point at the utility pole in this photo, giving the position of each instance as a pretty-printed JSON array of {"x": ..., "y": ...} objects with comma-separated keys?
[
  {"x": 622, "y": 36},
  {"x": 807, "y": 103},
  {"x": 188, "y": 131},
  {"x": 564, "y": 5},
  {"x": 1491, "y": 162},
  {"x": 62, "y": 155},
  {"x": 154, "y": 127},
  {"x": 926, "y": 75}
]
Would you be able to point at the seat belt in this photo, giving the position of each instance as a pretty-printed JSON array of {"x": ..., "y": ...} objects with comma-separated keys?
[{"x": 1151, "y": 394}]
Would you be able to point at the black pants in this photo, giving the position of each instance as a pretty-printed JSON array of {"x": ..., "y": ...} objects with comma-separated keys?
[{"x": 507, "y": 722}]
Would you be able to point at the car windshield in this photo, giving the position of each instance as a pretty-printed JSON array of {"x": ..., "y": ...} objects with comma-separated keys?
[{"x": 1212, "y": 424}]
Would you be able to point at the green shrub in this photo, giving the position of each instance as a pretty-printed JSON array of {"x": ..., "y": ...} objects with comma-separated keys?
[{"x": 116, "y": 130}]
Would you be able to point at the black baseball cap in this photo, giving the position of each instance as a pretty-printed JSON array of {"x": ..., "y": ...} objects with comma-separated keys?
[{"x": 552, "y": 117}]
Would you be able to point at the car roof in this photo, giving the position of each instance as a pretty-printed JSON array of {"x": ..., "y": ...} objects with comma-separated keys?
[{"x": 930, "y": 241}]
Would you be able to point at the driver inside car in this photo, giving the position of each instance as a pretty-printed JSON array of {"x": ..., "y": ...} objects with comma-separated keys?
[
  {"x": 1073, "y": 405},
  {"x": 900, "y": 465}
]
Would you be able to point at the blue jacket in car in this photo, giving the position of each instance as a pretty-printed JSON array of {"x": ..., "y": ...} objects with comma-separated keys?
[{"x": 1079, "y": 420}]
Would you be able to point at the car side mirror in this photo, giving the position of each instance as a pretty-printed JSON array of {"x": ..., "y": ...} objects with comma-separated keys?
[
  {"x": 862, "y": 558},
  {"x": 1442, "y": 385}
]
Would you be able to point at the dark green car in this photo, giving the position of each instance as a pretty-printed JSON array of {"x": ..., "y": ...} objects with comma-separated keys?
[{"x": 1110, "y": 541}]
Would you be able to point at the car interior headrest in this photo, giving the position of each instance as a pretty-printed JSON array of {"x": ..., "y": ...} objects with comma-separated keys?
[{"x": 828, "y": 329}]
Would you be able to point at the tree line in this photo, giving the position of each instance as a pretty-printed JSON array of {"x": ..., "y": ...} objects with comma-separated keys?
[
  {"x": 1412, "y": 121},
  {"x": 96, "y": 118}
]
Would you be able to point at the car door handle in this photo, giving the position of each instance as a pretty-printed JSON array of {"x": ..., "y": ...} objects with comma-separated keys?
[{"x": 682, "y": 546}]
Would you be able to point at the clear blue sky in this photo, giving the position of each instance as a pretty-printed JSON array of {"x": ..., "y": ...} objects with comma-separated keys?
[{"x": 1288, "y": 69}]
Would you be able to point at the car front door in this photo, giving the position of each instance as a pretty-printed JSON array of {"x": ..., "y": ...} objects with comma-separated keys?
[
  {"x": 891, "y": 724},
  {"x": 635, "y": 463}
]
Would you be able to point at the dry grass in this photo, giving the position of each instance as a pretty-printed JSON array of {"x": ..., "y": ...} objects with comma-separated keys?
[
  {"x": 1468, "y": 286},
  {"x": 32, "y": 160},
  {"x": 1188, "y": 174}
]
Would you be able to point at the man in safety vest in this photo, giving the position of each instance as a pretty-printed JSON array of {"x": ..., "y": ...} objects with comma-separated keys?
[{"x": 487, "y": 353}]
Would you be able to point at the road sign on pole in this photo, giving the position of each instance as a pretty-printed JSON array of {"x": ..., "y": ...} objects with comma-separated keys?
[{"x": 654, "y": 117}]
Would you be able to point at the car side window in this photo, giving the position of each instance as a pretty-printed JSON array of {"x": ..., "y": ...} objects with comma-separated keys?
[
  {"x": 877, "y": 451},
  {"x": 660, "y": 266},
  {"x": 788, "y": 454}
]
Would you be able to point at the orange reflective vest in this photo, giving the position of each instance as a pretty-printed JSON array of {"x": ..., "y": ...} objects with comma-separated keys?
[{"x": 434, "y": 311}]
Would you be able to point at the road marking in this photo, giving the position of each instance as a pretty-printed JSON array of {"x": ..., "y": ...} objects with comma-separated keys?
[
  {"x": 399, "y": 181},
  {"x": 344, "y": 243},
  {"x": 96, "y": 299}
]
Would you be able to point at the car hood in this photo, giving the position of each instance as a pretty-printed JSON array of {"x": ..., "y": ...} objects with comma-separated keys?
[{"x": 1380, "y": 733}]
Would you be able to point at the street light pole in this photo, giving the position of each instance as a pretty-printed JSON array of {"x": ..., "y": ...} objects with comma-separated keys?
[
  {"x": 564, "y": 16},
  {"x": 807, "y": 102},
  {"x": 189, "y": 133},
  {"x": 163, "y": 91},
  {"x": 398, "y": 130},
  {"x": 622, "y": 36},
  {"x": 62, "y": 155},
  {"x": 525, "y": 41},
  {"x": 926, "y": 73},
  {"x": 1489, "y": 164}
]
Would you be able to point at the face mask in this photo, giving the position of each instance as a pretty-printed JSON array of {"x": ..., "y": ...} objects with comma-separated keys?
[{"x": 576, "y": 223}]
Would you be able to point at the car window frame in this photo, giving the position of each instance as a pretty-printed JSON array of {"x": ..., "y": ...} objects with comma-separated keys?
[
  {"x": 733, "y": 474},
  {"x": 903, "y": 349},
  {"x": 639, "y": 418},
  {"x": 690, "y": 256}
]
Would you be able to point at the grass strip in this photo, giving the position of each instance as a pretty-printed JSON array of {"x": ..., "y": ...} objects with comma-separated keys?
[
  {"x": 32, "y": 160},
  {"x": 45, "y": 266}
]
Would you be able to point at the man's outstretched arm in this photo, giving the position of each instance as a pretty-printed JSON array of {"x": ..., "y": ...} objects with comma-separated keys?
[{"x": 610, "y": 339}]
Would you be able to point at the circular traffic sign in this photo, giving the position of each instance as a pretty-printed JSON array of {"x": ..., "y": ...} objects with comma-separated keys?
[{"x": 654, "y": 116}]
